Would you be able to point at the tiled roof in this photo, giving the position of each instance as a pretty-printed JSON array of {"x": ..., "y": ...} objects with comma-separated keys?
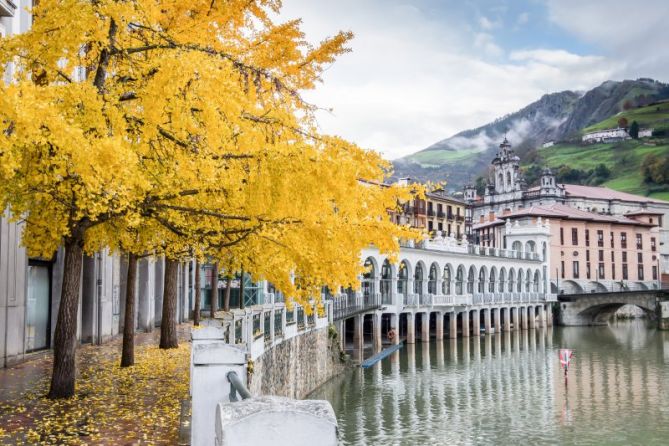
[
  {"x": 604, "y": 193},
  {"x": 561, "y": 211}
]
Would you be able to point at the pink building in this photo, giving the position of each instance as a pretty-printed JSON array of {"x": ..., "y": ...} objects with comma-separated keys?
[{"x": 588, "y": 252}]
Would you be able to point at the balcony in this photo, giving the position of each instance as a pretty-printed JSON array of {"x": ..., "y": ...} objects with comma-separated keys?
[
  {"x": 441, "y": 214},
  {"x": 7, "y": 8},
  {"x": 430, "y": 213},
  {"x": 419, "y": 210},
  {"x": 459, "y": 218}
]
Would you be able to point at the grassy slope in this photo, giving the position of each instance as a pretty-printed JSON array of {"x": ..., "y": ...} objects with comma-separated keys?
[
  {"x": 624, "y": 159},
  {"x": 656, "y": 116}
]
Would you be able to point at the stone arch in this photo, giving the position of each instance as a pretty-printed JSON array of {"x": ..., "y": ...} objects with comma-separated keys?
[
  {"x": 570, "y": 287},
  {"x": 448, "y": 278},
  {"x": 502, "y": 280},
  {"x": 460, "y": 279},
  {"x": 419, "y": 275},
  {"x": 517, "y": 246},
  {"x": 596, "y": 287},
  {"x": 544, "y": 251},
  {"x": 535, "y": 282},
  {"x": 600, "y": 313},
  {"x": 519, "y": 281},
  {"x": 482, "y": 278},
  {"x": 530, "y": 246},
  {"x": 471, "y": 278},
  {"x": 642, "y": 286},
  {"x": 433, "y": 277},
  {"x": 528, "y": 280},
  {"x": 369, "y": 277},
  {"x": 386, "y": 282},
  {"x": 492, "y": 279},
  {"x": 403, "y": 274},
  {"x": 512, "y": 280}
]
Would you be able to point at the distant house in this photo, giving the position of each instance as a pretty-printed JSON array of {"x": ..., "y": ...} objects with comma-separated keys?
[
  {"x": 612, "y": 135},
  {"x": 548, "y": 144}
]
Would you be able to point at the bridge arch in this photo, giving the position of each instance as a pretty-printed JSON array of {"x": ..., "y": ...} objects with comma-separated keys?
[
  {"x": 596, "y": 309},
  {"x": 571, "y": 287},
  {"x": 596, "y": 287}
]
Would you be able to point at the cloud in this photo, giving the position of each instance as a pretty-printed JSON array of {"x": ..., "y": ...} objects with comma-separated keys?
[
  {"x": 633, "y": 34},
  {"x": 523, "y": 18},
  {"x": 486, "y": 24},
  {"x": 486, "y": 43},
  {"x": 416, "y": 76}
]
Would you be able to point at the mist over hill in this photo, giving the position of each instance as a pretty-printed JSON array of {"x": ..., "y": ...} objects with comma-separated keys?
[{"x": 554, "y": 117}]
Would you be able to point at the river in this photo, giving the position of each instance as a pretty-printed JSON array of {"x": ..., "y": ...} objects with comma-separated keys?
[{"x": 508, "y": 389}]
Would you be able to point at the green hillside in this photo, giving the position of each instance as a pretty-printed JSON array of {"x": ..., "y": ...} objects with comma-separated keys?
[
  {"x": 655, "y": 116},
  {"x": 623, "y": 160}
]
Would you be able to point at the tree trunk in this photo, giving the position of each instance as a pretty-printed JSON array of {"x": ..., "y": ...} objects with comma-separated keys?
[
  {"x": 241, "y": 289},
  {"x": 65, "y": 338},
  {"x": 168, "y": 324},
  {"x": 214, "y": 290},
  {"x": 226, "y": 299},
  {"x": 198, "y": 295},
  {"x": 128, "y": 354}
]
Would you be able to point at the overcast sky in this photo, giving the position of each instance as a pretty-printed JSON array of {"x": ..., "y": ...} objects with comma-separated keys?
[{"x": 423, "y": 70}]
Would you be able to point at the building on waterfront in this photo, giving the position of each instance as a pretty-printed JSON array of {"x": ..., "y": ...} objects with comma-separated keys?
[
  {"x": 589, "y": 252},
  {"x": 507, "y": 192},
  {"x": 437, "y": 212}
]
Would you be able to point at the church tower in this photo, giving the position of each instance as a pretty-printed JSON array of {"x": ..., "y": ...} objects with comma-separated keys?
[{"x": 506, "y": 170}]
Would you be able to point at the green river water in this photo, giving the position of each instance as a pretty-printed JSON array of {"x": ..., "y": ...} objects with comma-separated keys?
[{"x": 508, "y": 389}]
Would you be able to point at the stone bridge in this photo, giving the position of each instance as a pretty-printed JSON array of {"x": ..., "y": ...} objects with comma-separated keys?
[{"x": 597, "y": 308}]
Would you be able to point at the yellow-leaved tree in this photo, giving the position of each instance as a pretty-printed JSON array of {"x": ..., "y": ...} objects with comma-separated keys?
[{"x": 178, "y": 128}]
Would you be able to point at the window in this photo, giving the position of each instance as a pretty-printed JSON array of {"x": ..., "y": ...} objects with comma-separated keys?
[
  {"x": 575, "y": 269},
  {"x": 562, "y": 269},
  {"x": 587, "y": 256},
  {"x": 587, "y": 270},
  {"x": 654, "y": 272},
  {"x": 429, "y": 225},
  {"x": 624, "y": 271},
  {"x": 440, "y": 226},
  {"x": 613, "y": 271},
  {"x": 587, "y": 237},
  {"x": 562, "y": 236},
  {"x": 640, "y": 272},
  {"x": 600, "y": 239},
  {"x": 650, "y": 220},
  {"x": 449, "y": 230},
  {"x": 624, "y": 256},
  {"x": 612, "y": 240},
  {"x": 639, "y": 241},
  {"x": 601, "y": 272},
  {"x": 613, "y": 257},
  {"x": 623, "y": 240},
  {"x": 574, "y": 236},
  {"x": 653, "y": 247},
  {"x": 601, "y": 255},
  {"x": 639, "y": 257}
]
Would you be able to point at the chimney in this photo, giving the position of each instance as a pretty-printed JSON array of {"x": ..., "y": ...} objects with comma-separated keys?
[
  {"x": 481, "y": 219},
  {"x": 507, "y": 211},
  {"x": 491, "y": 216}
]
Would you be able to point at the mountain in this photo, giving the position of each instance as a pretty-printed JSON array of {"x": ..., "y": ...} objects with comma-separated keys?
[{"x": 554, "y": 117}]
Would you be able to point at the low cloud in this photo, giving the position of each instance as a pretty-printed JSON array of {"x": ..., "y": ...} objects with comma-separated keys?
[{"x": 414, "y": 78}]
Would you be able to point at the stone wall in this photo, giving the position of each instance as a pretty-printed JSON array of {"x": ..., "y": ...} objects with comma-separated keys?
[{"x": 296, "y": 367}]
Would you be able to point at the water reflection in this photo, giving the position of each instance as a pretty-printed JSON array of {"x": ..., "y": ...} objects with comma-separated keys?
[{"x": 508, "y": 388}]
